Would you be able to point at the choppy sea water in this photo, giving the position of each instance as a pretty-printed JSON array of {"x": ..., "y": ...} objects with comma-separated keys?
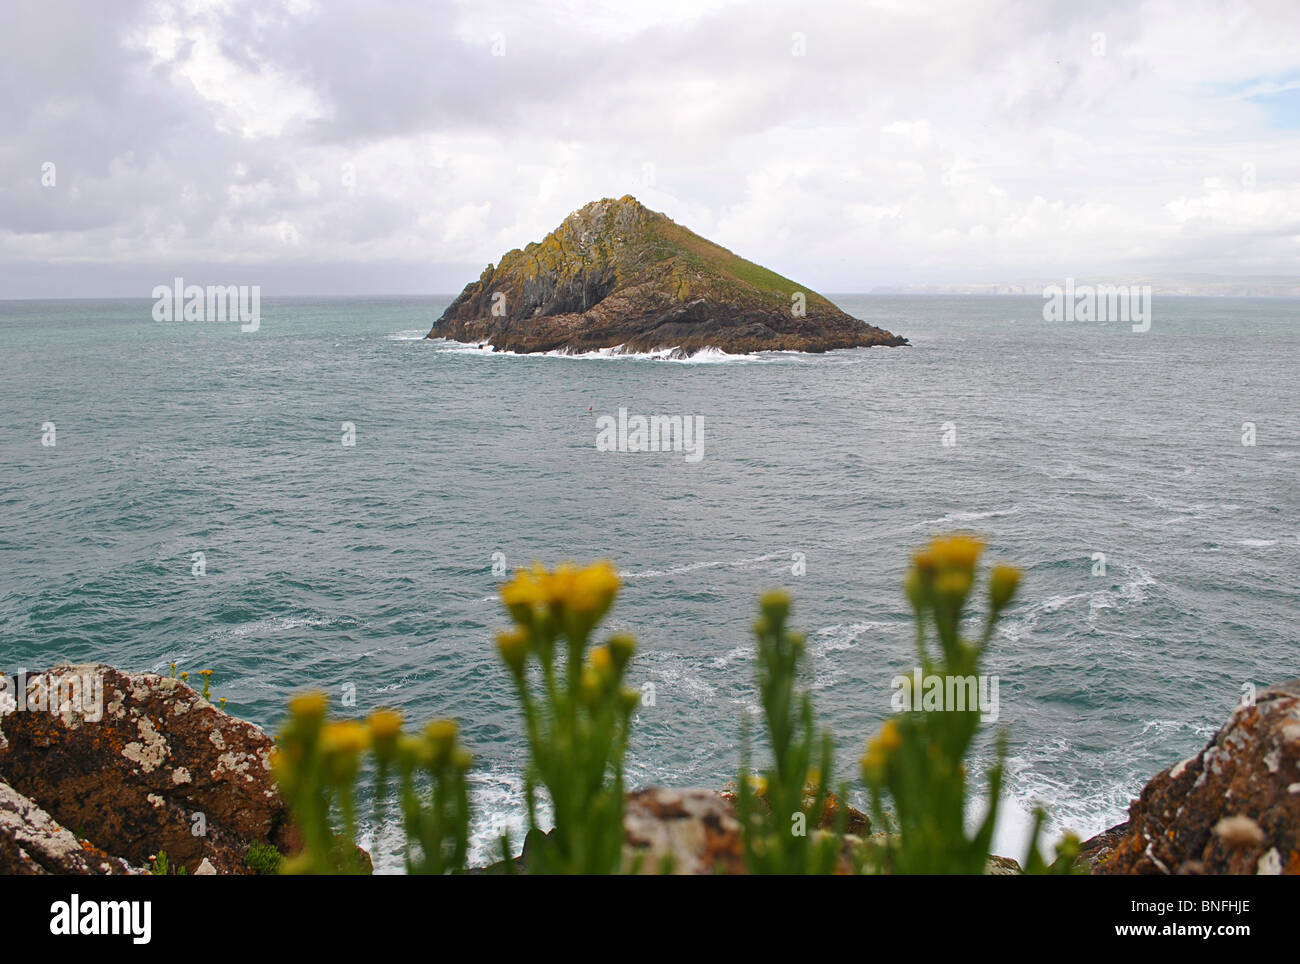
[{"x": 372, "y": 564}]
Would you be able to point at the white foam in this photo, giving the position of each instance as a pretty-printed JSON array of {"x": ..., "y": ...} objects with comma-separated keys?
[
  {"x": 829, "y": 640},
  {"x": 1018, "y": 623},
  {"x": 741, "y": 654},
  {"x": 278, "y": 624},
  {"x": 1085, "y": 807},
  {"x": 694, "y": 566},
  {"x": 706, "y": 356},
  {"x": 953, "y": 518},
  {"x": 676, "y": 680}
]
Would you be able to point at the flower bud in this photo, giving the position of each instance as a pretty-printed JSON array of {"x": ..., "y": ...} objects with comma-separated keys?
[
  {"x": 1002, "y": 586},
  {"x": 621, "y": 647},
  {"x": 592, "y": 589},
  {"x": 602, "y": 661},
  {"x": 889, "y": 738},
  {"x": 952, "y": 587},
  {"x": 513, "y": 647},
  {"x": 590, "y": 686},
  {"x": 384, "y": 727},
  {"x": 629, "y": 699},
  {"x": 441, "y": 738},
  {"x": 914, "y": 588},
  {"x": 308, "y": 706},
  {"x": 956, "y": 552},
  {"x": 775, "y": 606}
]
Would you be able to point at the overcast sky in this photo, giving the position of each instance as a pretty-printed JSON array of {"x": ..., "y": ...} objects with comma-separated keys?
[{"x": 339, "y": 146}]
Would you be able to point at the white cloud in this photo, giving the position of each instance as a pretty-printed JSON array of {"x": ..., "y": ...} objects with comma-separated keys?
[{"x": 910, "y": 142}]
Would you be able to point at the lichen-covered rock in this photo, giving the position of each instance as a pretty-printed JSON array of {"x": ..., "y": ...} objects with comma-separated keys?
[
  {"x": 856, "y": 823},
  {"x": 162, "y": 769},
  {"x": 699, "y": 833},
  {"x": 617, "y": 275},
  {"x": 32, "y": 843},
  {"x": 997, "y": 866},
  {"x": 1234, "y": 808},
  {"x": 1095, "y": 852},
  {"x": 689, "y": 831}
]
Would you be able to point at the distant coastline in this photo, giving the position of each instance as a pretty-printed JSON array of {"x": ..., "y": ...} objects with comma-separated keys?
[{"x": 1204, "y": 286}]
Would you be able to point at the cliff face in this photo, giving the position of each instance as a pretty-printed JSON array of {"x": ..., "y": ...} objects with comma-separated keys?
[
  {"x": 156, "y": 769},
  {"x": 617, "y": 274},
  {"x": 1234, "y": 808}
]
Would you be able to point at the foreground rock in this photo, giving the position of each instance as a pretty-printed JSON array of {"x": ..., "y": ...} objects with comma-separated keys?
[
  {"x": 1234, "y": 808},
  {"x": 162, "y": 770},
  {"x": 856, "y": 822},
  {"x": 32, "y": 843},
  {"x": 617, "y": 275},
  {"x": 1095, "y": 853},
  {"x": 696, "y": 832},
  {"x": 690, "y": 831}
]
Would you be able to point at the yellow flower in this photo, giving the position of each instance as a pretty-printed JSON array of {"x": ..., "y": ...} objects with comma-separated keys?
[
  {"x": 525, "y": 592},
  {"x": 955, "y": 552},
  {"x": 621, "y": 647},
  {"x": 344, "y": 737},
  {"x": 914, "y": 588},
  {"x": 775, "y": 606},
  {"x": 441, "y": 737},
  {"x": 889, "y": 738},
  {"x": 873, "y": 765},
  {"x": 385, "y": 725},
  {"x": 513, "y": 647},
  {"x": 953, "y": 585},
  {"x": 309, "y": 706},
  {"x": 559, "y": 584},
  {"x": 411, "y": 751},
  {"x": 1002, "y": 585},
  {"x": 629, "y": 699},
  {"x": 601, "y": 661},
  {"x": 585, "y": 593},
  {"x": 879, "y": 751},
  {"x": 590, "y": 590},
  {"x": 924, "y": 564},
  {"x": 590, "y": 686}
]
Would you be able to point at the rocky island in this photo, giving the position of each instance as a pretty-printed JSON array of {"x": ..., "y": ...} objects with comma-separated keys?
[{"x": 616, "y": 275}]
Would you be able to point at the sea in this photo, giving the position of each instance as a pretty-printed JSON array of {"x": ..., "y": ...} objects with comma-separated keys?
[{"x": 332, "y": 502}]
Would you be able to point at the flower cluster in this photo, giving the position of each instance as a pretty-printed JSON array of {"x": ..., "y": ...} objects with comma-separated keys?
[
  {"x": 779, "y": 808},
  {"x": 317, "y": 762},
  {"x": 577, "y": 712},
  {"x": 918, "y": 757},
  {"x": 566, "y": 599}
]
